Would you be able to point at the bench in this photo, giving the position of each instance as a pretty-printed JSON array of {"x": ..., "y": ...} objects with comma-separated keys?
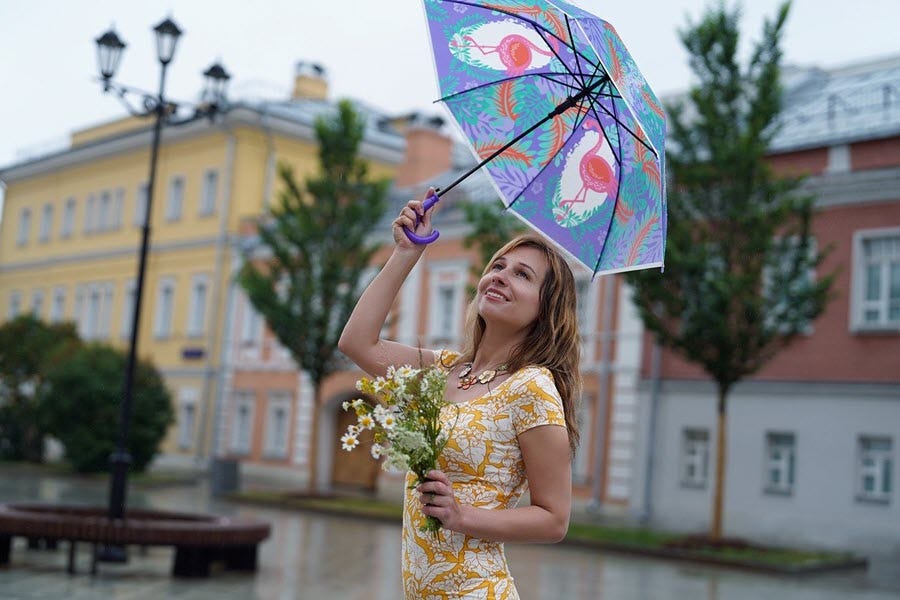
[{"x": 199, "y": 540}]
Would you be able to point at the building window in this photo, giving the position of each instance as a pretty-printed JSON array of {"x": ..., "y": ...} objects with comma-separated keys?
[
  {"x": 197, "y": 310},
  {"x": 68, "y": 220},
  {"x": 210, "y": 192},
  {"x": 251, "y": 325},
  {"x": 118, "y": 208},
  {"x": 175, "y": 200},
  {"x": 37, "y": 303},
  {"x": 15, "y": 305},
  {"x": 104, "y": 212},
  {"x": 278, "y": 424},
  {"x": 78, "y": 317},
  {"x": 58, "y": 305},
  {"x": 92, "y": 322},
  {"x": 876, "y": 280},
  {"x": 187, "y": 417},
  {"x": 90, "y": 215},
  {"x": 695, "y": 458},
  {"x": 165, "y": 306},
  {"x": 24, "y": 226},
  {"x": 446, "y": 290},
  {"x": 46, "y": 223},
  {"x": 875, "y": 468},
  {"x": 780, "y": 463},
  {"x": 128, "y": 308},
  {"x": 242, "y": 422},
  {"x": 106, "y": 310},
  {"x": 140, "y": 205}
]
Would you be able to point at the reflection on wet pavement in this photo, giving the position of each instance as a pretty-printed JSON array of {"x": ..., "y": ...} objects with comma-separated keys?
[{"x": 311, "y": 556}]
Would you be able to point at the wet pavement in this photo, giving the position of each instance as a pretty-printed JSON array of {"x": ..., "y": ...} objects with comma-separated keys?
[{"x": 312, "y": 556}]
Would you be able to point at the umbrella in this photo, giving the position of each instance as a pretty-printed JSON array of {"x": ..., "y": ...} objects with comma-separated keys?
[{"x": 567, "y": 128}]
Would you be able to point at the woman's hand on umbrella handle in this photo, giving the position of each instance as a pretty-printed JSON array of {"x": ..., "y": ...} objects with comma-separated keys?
[{"x": 430, "y": 201}]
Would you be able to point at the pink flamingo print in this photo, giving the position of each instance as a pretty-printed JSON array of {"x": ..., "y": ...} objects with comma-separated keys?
[
  {"x": 515, "y": 52},
  {"x": 595, "y": 172}
]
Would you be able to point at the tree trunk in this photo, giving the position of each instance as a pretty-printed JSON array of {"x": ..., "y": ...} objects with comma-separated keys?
[
  {"x": 721, "y": 458},
  {"x": 314, "y": 440}
]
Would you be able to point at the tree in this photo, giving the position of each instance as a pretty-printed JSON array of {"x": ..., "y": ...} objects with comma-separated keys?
[
  {"x": 737, "y": 286},
  {"x": 79, "y": 405},
  {"x": 25, "y": 345},
  {"x": 319, "y": 239},
  {"x": 490, "y": 228}
]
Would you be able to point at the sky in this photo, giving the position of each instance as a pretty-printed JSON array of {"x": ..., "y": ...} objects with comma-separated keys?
[{"x": 373, "y": 50}]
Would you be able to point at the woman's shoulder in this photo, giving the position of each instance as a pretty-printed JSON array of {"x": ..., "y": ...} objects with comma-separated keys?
[{"x": 532, "y": 375}]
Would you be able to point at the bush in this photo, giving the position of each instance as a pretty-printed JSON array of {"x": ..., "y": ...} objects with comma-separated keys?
[{"x": 79, "y": 405}]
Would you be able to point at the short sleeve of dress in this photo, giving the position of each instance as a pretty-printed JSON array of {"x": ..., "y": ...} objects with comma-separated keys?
[{"x": 535, "y": 401}]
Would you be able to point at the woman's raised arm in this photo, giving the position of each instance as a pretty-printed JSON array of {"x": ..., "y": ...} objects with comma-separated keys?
[{"x": 361, "y": 339}]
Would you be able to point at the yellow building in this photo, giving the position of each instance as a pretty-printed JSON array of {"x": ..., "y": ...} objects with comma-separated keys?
[{"x": 71, "y": 228}]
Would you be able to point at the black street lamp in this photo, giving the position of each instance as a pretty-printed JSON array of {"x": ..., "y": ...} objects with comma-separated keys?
[{"x": 109, "y": 54}]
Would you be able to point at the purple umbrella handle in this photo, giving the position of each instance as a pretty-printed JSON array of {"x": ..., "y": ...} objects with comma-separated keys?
[{"x": 418, "y": 239}]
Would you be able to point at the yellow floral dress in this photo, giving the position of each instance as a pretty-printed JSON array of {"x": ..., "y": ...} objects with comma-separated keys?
[{"x": 483, "y": 460}]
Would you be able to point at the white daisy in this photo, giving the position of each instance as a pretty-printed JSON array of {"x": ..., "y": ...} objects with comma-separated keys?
[
  {"x": 376, "y": 451},
  {"x": 349, "y": 441},
  {"x": 366, "y": 422}
]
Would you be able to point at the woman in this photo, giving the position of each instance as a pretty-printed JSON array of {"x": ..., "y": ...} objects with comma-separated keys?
[{"x": 511, "y": 394}]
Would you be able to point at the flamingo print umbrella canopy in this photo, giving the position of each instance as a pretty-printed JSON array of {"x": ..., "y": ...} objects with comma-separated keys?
[{"x": 569, "y": 131}]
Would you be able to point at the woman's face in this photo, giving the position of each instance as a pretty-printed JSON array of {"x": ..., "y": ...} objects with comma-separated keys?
[{"x": 510, "y": 292}]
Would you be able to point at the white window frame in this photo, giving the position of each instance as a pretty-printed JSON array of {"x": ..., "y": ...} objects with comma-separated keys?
[
  {"x": 37, "y": 303},
  {"x": 858, "y": 280},
  {"x": 251, "y": 325},
  {"x": 209, "y": 193},
  {"x": 106, "y": 304},
  {"x": 188, "y": 400},
  {"x": 165, "y": 308},
  {"x": 445, "y": 322},
  {"x": 197, "y": 310},
  {"x": 812, "y": 249},
  {"x": 175, "y": 198},
  {"x": 104, "y": 211},
  {"x": 242, "y": 444},
  {"x": 15, "y": 305},
  {"x": 278, "y": 400},
  {"x": 128, "y": 291},
  {"x": 118, "y": 208},
  {"x": 781, "y": 459},
  {"x": 880, "y": 471},
  {"x": 46, "y": 223},
  {"x": 90, "y": 214},
  {"x": 93, "y": 312},
  {"x": 140, "y": 204},
  {"x": 67, "y": 225},
  {"x": 58, "y": 304},
  {"x": 78, "y": 311},
  {"x": 24, "y": 226},
  {"x": 695, "y": 454}
]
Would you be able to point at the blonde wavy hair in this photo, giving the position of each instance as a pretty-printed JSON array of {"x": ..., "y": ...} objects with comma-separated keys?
[{"x": 553, "y": 340}]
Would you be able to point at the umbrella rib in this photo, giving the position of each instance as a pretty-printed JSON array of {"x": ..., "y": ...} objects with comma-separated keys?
[
  {"x": 615, "y": 201},
  {"x": 625, "y": 127},
  {"x": 541, "y": 32},
  {"x": 578, "y": 121},
  {"x": 527, "y": 20},
  {"x": 578, "y": 62},
  {"x": 505, "y": 79}
]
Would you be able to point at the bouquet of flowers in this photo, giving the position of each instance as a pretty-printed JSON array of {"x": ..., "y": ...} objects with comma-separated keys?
[{"x": 406, "y": 421}]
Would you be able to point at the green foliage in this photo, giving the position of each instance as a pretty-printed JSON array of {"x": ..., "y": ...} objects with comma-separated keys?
[
  {"x": 319, "y": 239},
  {"x": 26, "y": 344},
  {"x": 490, "y": 228},
  {"x": 737, "y": 286},
  {"x": 79, "y": 405}
]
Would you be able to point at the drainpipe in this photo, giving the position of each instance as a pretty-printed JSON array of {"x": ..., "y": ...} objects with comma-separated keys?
[
  {"x": 215, "y": 341},
  {"x": 606, "y": 337},
  {"x": 655, "y": 383}
]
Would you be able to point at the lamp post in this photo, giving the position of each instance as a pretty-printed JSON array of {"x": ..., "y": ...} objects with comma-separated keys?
[{"x": 109, "y": 54}]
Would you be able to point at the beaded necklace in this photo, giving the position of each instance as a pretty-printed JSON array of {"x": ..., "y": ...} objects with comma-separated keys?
[{"x": 466, "y": 380}]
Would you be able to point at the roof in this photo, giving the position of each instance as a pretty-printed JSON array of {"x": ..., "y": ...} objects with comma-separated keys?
[{"x": 826, "y": 107}]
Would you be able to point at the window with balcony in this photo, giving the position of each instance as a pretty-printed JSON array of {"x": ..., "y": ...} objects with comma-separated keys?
[{"x": 876, "y": 280}]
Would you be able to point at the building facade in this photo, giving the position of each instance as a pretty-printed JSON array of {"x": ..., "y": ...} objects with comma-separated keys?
[{"x": 72, "y": 222}]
